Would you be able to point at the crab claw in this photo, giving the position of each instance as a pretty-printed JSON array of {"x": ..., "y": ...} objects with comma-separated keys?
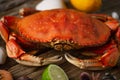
[
  {"x": 15, "y": 51},
  {"x": 89, "y": 64},
  {"x": 31, "y": 60},
  {"x": 108, "y": 59}
]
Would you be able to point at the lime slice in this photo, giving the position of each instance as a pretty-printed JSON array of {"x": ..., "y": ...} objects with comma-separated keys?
[{"x": 54, "y": 72}]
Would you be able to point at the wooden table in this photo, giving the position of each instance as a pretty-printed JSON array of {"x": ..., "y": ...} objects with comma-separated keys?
[{"x": 11, "y": 7}]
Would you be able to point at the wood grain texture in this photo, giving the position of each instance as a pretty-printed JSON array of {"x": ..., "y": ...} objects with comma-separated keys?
[{"x": 11, "y": 7}]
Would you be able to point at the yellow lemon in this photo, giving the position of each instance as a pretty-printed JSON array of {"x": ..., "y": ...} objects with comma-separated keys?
[{"x": 87, "y": 5}]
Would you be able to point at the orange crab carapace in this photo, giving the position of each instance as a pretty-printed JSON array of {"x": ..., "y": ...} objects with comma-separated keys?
[{"x": 61, "y": 29}]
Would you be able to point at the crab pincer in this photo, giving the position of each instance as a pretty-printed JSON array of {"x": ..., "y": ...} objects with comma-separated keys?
[{"x": 108, "y": 57}]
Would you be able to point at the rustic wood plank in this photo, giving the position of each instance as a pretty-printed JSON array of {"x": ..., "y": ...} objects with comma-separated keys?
[
  {"x": 11, "y": 4},
  {"x": 15, "y": 9}
]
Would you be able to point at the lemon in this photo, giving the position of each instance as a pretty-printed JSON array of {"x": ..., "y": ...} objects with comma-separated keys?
[
  {"x": 87, "y": 5},
  {"x": 54, "y": 72}
]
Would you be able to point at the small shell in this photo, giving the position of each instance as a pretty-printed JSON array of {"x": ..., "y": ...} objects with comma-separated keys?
[
  {"x": 48, "y": 4},
  {"x": 5, "y": 75},
  {"x": 3, "y": 55}
]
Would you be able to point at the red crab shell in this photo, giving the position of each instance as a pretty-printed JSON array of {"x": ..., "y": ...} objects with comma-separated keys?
[
  {"x": 61, "y": 29},
  {"x": 64, "y": 25}
]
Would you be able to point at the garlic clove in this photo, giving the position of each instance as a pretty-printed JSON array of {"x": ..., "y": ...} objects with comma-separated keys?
[{"x": 115, "y": 15}]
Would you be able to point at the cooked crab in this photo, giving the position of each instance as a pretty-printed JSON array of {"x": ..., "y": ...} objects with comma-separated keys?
[{"x": 62, "y": 29}]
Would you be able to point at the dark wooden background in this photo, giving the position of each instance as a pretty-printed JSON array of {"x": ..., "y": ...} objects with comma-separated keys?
[{"x": 11, "y": 7}]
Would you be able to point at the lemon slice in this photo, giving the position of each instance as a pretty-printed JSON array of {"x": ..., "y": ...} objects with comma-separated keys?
[
  {"x": 54, "y": 72},
  {"x": 87, "y": 5}
]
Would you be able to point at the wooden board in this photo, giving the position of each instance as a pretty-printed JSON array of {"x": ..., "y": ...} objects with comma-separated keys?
[{"x": 11, "y": 7}]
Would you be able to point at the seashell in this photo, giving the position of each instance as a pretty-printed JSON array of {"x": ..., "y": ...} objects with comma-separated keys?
[{"x": 5, "y": 75}]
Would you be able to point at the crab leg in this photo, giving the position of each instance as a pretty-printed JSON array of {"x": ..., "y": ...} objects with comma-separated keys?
[
  {"x": 15, "y": 51},
  {"x": 109, "y": 59},
  {"x": 4, "y": 32},
  {"x": 112, "y": 23},
  {"x": 27, "y": 11}
]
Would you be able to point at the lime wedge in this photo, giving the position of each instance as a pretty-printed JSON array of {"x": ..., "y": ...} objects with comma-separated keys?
[{"x": 54, "y": 72}]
